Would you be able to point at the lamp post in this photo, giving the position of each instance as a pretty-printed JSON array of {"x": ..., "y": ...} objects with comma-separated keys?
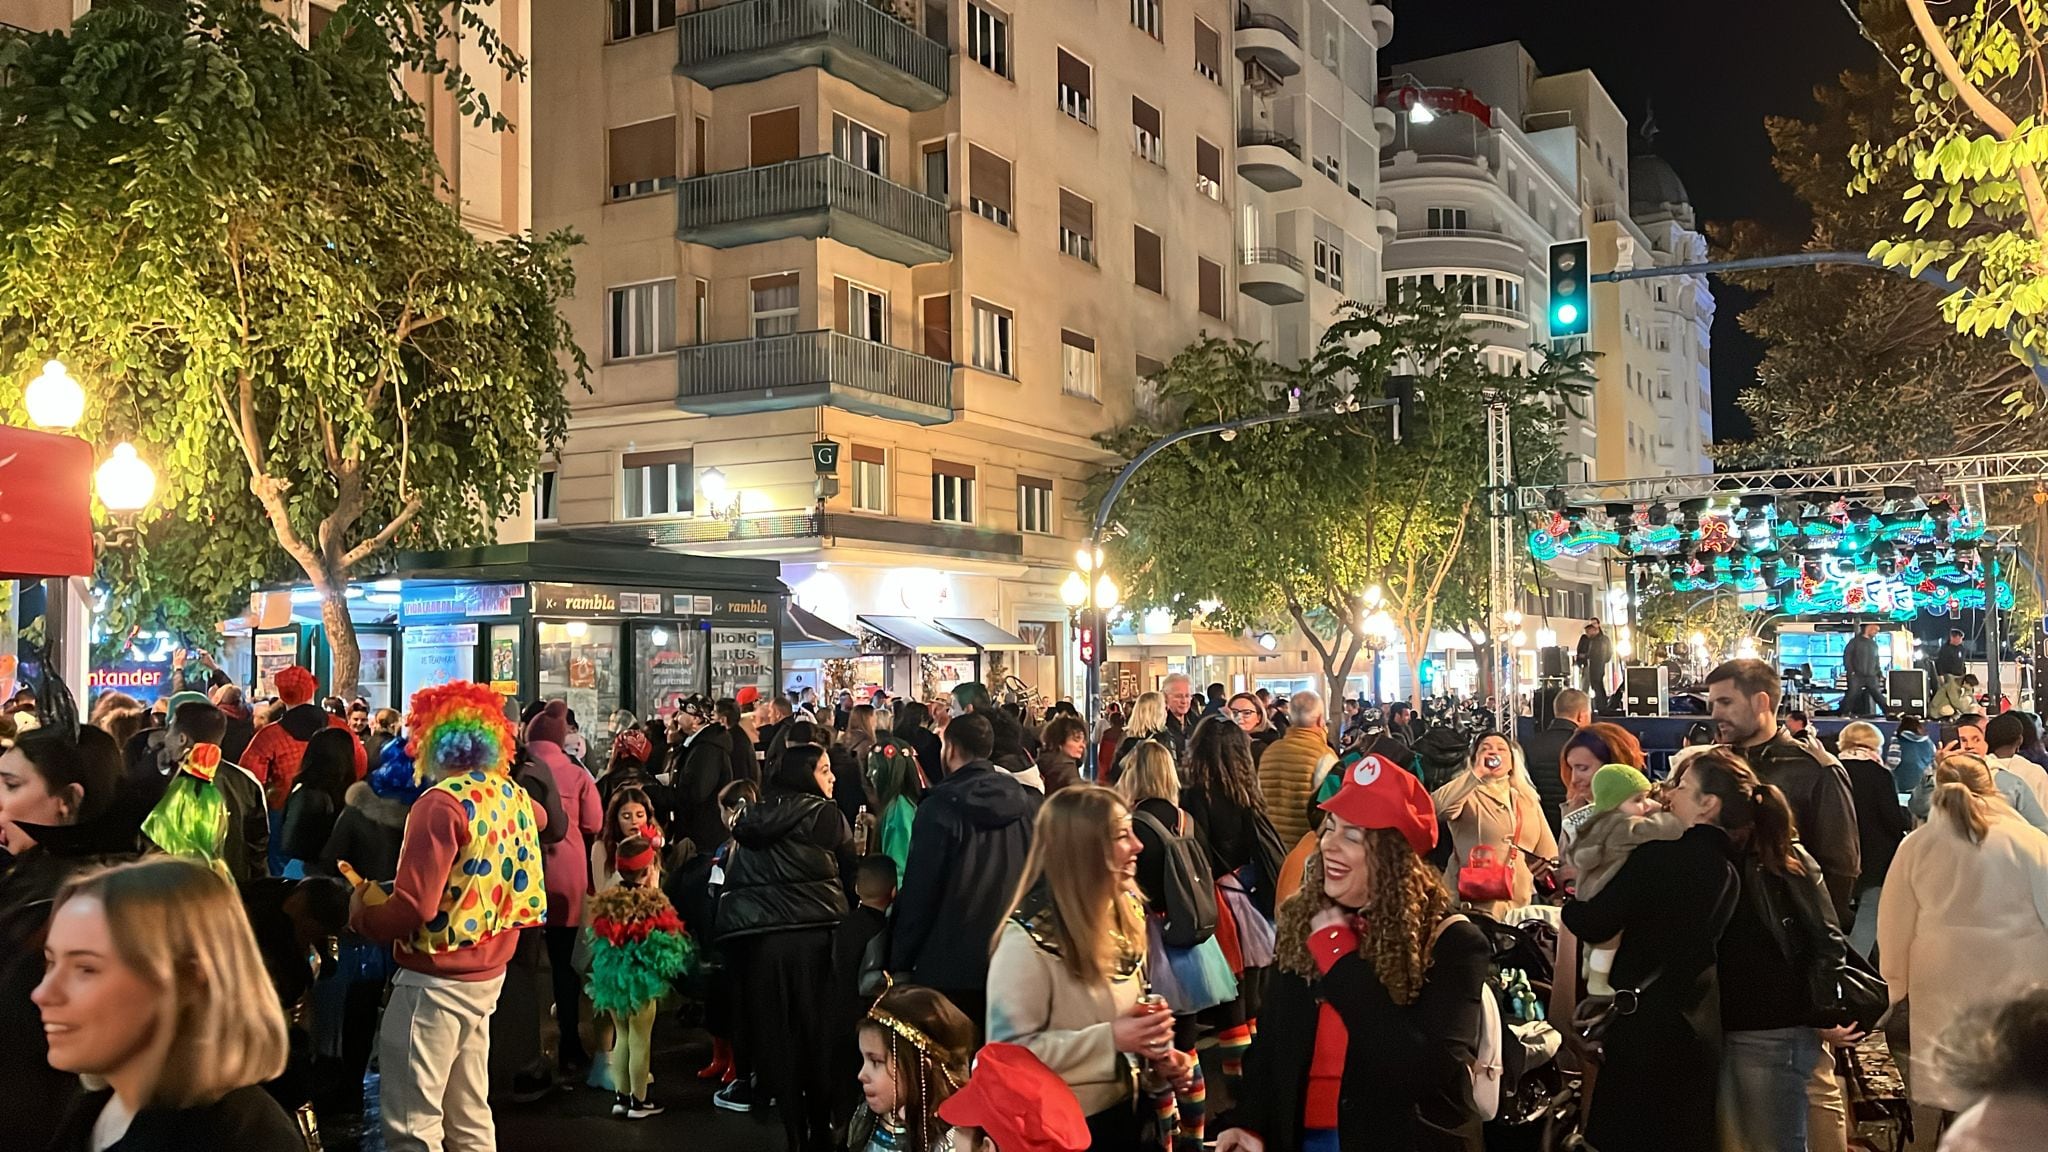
[
  {"x": 124, "y": 484},
  {"x": 1099, "y": 597}
]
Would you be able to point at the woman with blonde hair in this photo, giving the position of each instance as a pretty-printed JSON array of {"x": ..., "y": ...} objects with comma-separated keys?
[
  {"x": 859, "y": 737},
  {"x": 1502, "y": 840},
  {"x": 1965, "y": 914},
  {"x": 1068, "y": 972},
  {"x": 1881, "y": 823},
  {"x": 1146, "y": 722},
  {"x": 156, "y": 996}
]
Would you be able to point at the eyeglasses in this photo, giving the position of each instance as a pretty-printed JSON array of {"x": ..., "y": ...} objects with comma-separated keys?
[{"x": 1244, "y": 712}]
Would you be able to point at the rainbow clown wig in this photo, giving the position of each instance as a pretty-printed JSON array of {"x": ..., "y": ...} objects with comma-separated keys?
[{"x": 459, "y": 727}]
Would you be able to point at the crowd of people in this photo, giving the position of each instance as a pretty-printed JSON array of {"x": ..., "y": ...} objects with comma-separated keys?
[{"x": 929, "y": 924}]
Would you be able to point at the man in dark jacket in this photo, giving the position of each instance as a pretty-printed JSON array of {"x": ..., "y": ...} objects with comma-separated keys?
[
  {"x": 1594, "y": 654},
  {"x": 967, "y": 850},
  {"x": 771, "y": 722},
  {"x": 1544, "y": 753},
  {"x": 1181, "y": 716},
  {"x": 246, "y": 851},
  {"x": 1950, "y": 698},
  {"x": 1865, "y": 696},
  {"x": 1742, "y": 697},
  {"x": 702, "y": 766}
]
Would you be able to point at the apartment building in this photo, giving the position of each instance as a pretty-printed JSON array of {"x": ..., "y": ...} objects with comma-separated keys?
[
  {"x": 1682, "y": 318},
  {"x": 946, "y": 237}
]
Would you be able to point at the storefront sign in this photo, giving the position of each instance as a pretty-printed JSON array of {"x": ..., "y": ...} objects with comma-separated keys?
[
  {"x": 750, "y": 609},
  {"x": 441, "y": 635},
  {"x": 143, "y": 682},
  {"x": 596, "y": 600},
  {"x": 825, "y": 457},
  {"x": 278, "y": 644},
  {"x": 466, "y": 600},
  {"x": 741, "y": 657}
]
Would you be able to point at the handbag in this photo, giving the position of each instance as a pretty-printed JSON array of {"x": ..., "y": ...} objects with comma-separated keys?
[
  {"x": 1486, "y": 876},
  {"x": 1865, "y": 996}
]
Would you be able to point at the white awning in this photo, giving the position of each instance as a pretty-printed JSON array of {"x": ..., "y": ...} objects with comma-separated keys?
[
  {"x": 918, "y": 635},
  {"x": 984, "y": 635},
  {"x": 806, "y": 636}
]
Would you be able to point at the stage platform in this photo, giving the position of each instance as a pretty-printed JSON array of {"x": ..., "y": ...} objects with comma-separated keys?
[{"x": 1660, "y": 736}]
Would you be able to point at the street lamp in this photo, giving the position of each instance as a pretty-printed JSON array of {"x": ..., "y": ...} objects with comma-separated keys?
[
  {"x": 1377, "y": 629},
  {"x": 1074, "y": 594},
  {"x": 54, "y": 400},
  {"x": 716, "y": 489},
  {"x": 124, "y": 484}
]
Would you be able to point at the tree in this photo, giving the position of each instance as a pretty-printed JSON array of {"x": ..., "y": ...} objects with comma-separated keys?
[
  {"x": 1293, "y": 521},
  {"x": 248, "y": 248}
]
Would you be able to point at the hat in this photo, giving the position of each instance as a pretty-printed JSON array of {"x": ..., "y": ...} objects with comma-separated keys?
[
  {"x": 551, "y": 726},
  {"x": 632, "y": 744},
  {"x": 1614, "y": 783},
  {"x": 696, "y": 706},
  {"x": 180, "y": 699},
  {"x": 295, "y": 686},
  {"x": 1019, "y": 1102},
  {"x": 1378, "y": 793},
  {"x": 747, "y": 696}
]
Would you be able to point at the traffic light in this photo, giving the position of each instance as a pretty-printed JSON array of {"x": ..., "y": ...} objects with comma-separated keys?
[
  {"x": 1401, "y": 390},
  {"x": 1571, "y": 298}
]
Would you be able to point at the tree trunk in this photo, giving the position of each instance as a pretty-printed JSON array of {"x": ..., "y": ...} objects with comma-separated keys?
[{"x": 344, "y": 653}]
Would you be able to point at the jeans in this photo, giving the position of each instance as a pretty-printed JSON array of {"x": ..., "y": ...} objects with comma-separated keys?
[
  {"x": 632, "y": 1048},
  {"x": 1764, "y": 1074},
  {"x": 434, "y": 1053}
]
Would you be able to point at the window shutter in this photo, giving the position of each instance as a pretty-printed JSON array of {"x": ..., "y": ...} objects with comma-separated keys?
[
  {"x": 1147, "y": 366},
  {"x": 938, "y": 328},
  {"x": 656, "y": 459},
  {"x": 1209, "y": 278},
  {"x": 1145, "y": 116},
  {"x": 1076, "y": 340},
  {"x": 988, "y": 176},
  {"x": 1077, "y": 215},
  {"x": 948, "y": 468},
  {"x": 772, "y": 137},
  {"x": 864, "y": 454},
  {"x": 1034, "y": 482},
  {"x": 1145, "y": 248},
  {"x": 1073, "y": 73},
  {"x": 842, "y": 311},
  {"x": 644, "y": 151},
  {"x": 1208, "y": 161},
  {"x": 1208, "y": 48}
]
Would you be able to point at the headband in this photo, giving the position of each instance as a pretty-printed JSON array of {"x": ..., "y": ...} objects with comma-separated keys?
[
  {"x": 637, "y": 862},
  {"x": 926, "y": 1050}
]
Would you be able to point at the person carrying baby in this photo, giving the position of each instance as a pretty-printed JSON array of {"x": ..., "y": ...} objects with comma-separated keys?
[{"x": 1624, "y": 817}]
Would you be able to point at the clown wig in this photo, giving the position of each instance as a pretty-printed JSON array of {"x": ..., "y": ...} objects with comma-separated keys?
[{"x": 459, "y": 727}]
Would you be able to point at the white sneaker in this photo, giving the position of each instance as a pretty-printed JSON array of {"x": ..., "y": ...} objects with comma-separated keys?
[{"x": 642, "y": 1109}]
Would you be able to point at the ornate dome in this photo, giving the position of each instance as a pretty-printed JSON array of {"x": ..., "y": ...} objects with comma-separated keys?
[{"x": 1652, "y": 185}]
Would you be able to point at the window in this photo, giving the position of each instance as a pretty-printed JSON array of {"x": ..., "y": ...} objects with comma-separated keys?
[
  {"x": 937, "y": 170},
  {"x": 1508, "y": 294},
  {"x": 938, "y": 327},
  {"x": 859, "y": 145},
  {"x": 1146, "y": 134},
  {"x": 544, "y": 489},
  {"x": 643, "y": 320},
  {"x": 988, "y": 185},
  {"x": 1663, "y": 340},
  {"x": 1149, "y": 258},
  {"x": 870, "y": 479},
  {"x": 1659, "y": 289},
  {"x": 700, "y": 154},
  {"x": 988, "y": 38},
  {"x": 1145, "y": 18},
  {"x": 1148, "y": 367},
  {"x": 952, "y": 492},
  {"x": 1077, "y": 227},
  {"x": 773, "y": 304},
  {"x": 994, "y": 336},
  {"x": 632, "y": 18},
  {"x": 656, "y": 483},
  {"x": 1447, "y": 219},
  {"x": 1077, "y": 87},
  {"x": 1079, "y": 376},
  {"x": 643, "y": 158},
  {"x": 701, "y": 308},
  {"x": 1329, "y": 261},
  {"x": 1208, "y": 53},
  {"x": 774, "y": 137},
  {"x": 864, "y": 312},
  {"x": 1034, "y": 505},
  {"x": 1209, "y": 287},
  {"x": 1208, "y": 169}
]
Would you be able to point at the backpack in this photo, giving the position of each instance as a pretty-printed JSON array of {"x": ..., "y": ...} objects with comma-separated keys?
[
  {"x": 1190, "y": 886},
  {"x": 1486, "y": 1067}
]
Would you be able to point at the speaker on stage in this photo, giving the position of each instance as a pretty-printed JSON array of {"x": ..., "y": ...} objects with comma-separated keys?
[
  {"x": 1545, "y": 700},
  {"x": 1906, "y": 691},
  {"x": 1647, "y": 690},
  {"x": 1553, "y": 664}
]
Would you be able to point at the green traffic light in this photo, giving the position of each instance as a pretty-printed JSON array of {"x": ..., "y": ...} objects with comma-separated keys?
[{"x": 1567, "y": 313}]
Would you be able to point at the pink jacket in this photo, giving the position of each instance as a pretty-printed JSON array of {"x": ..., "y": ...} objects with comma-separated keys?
[{"x": 567, "y": 860}]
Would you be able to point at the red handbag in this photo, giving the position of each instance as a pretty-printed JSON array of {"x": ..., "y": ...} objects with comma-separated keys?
[{"x": 1486, "y": 876}]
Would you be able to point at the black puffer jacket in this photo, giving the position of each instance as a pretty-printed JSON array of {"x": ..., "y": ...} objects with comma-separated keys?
[
  {"x": 789, "y": 854},
  {"x": 367, "y": 834},
  {"x": 702, "y": 768},
  {"x": 967, "y": 850}
]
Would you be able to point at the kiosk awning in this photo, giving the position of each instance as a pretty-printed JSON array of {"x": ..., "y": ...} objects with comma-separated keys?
[
  {"x": 984, "y": 635},
  {"x": 805, "y": 636},
  {"x": 1226, "y": 644},
  {"x": 918, "y": 635}
]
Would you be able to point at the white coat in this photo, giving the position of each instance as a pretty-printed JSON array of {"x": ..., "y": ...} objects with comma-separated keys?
[{"x": 1961, "y": 924}]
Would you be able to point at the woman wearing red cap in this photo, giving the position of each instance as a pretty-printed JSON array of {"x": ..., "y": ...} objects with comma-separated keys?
[{"x": 1369, "y": 948}]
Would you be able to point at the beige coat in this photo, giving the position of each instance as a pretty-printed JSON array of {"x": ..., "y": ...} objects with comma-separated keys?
[
  {"x": 1960, "y": 924},
  {"x": 1034, "y": 1001},
  {"x": 1496, "y": 813}
]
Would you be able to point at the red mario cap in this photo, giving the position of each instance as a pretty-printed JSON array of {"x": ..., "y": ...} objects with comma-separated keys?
[
  {"x": 1378, "y": 793},
  {"x": 1019, "y": 1102}
]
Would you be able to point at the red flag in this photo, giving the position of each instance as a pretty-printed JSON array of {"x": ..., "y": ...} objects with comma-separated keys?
[{"x": 45, "y": 505}]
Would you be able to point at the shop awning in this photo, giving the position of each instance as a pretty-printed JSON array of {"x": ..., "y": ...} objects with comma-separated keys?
[
  {"x": 984, "y": 635},
  {"x": 46, "y": 499},
  {"x": 918, "y": 635},
  {"x": 1226, "y": 644},
  {"x": 807, "y": 637}
]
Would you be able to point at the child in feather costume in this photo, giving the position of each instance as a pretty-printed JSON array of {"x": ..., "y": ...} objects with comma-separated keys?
[{"x": 637, "y": 948}]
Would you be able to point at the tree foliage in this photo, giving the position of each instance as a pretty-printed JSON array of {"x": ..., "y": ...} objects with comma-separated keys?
[
  {"x": 246, "y": 249},
  {"x": 1291, "y": 522}
]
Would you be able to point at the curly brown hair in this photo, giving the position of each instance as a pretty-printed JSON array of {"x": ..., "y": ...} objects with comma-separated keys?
[{"x": 1403, "y": 916}]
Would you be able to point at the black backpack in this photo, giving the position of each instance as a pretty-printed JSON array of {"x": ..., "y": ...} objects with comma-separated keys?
[{"x": 1190, "y": 887}]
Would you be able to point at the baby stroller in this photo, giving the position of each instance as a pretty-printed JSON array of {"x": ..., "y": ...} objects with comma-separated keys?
[{"x": 1539, "y": 1100}]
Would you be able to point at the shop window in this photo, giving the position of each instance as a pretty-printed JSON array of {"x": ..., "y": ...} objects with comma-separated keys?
[
  {"x": 579, "y": 663},
  {"x": 668, "y": 667}
]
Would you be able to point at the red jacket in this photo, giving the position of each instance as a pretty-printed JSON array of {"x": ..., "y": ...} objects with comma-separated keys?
[{"x": 273, "y": 756}]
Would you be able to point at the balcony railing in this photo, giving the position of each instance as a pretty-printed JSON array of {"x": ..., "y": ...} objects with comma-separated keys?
[
  {"x": 1457, "y": 233},
  {"x": 1494, "y": 310},
  {"x": 1280, "y": 256},
  {"x": 1252, "y": 138},
  {"x": 813, "y": 369},
  {"x": 1246, "y": 18},
  {"x": 813, "y": 196},
  {"x": 753, "y": 39}
]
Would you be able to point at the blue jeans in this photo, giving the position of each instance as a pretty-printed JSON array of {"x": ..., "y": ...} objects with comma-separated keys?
[{"x": 1763, "y": 1088}]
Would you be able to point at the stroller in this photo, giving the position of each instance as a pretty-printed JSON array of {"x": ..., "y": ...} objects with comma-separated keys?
[{"x": 1539, "y": 1100}]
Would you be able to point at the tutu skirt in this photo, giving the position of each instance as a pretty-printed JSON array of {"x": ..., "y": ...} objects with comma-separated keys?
[
  {"x": 1254, "y": 931},
  {"x": 1191, "y": 979}
]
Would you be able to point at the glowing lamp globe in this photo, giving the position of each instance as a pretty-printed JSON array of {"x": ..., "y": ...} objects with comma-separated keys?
[
  {"x": 713, "y": 485},
  {"x": 1546, "y": 638},
  {"x": 54, "y": 399},
  {"x": 1074, "y": 590},
  {"x": 1106, "y": 593},
  {"x": 124, "y": 482}
]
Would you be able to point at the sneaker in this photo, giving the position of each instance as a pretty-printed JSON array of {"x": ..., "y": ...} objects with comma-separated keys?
[
  {"x": 642, "y": 1109},
  {"x": 530, "y": 1086},
  {"x": 737, "y": 1096},
  {"x": 620, "y": 1103}
]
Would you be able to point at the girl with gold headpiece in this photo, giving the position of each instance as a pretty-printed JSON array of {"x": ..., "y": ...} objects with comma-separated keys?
[{"x": 914, "y": 1050}]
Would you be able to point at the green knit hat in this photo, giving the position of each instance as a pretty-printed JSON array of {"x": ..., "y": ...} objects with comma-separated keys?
[{"x": 1615, "y": 783}]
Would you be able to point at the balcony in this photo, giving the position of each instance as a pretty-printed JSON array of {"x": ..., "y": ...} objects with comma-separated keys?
[
  {"x": 815, "y": 196},
  {"x": 1271, "y": 276},
  {"x": 812, "y": 370},
  {"x": 1268, "y": 41},
  {"x": 1495, "y": 314},
  {"x": 865, "y": 46},
  {"x": 1269, "y": 159},
  {"x": 1384, "y": 121},
  {"x": 1382, "y": 25},
  {"x": 1473, "y": 248}
]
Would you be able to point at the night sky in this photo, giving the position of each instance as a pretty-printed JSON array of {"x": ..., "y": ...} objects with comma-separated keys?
[{"x": 1710, "y": 72}]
